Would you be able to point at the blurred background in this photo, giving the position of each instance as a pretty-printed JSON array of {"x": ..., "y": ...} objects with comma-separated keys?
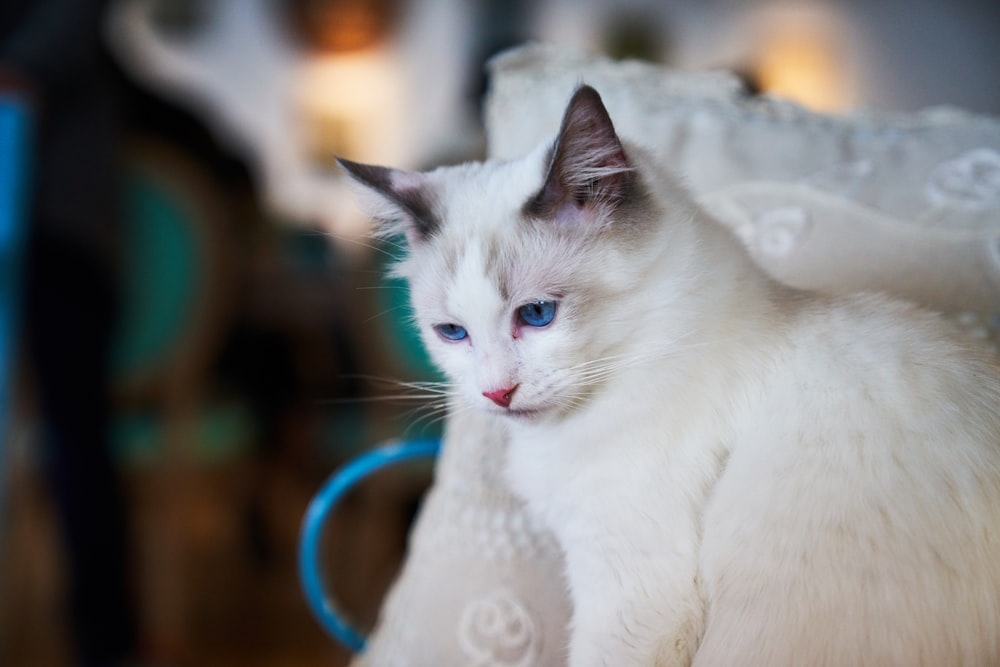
[{"x": 204, "y": 331}]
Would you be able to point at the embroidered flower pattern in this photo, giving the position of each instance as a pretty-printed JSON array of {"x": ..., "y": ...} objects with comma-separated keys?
[
  {"x": 780, "y": 231},
  {"x": 497, "y": 630},
  {"x": 969, "y": 181}
]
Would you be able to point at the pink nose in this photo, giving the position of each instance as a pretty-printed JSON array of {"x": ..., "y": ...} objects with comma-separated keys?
[{"x": 501, "y": 396}]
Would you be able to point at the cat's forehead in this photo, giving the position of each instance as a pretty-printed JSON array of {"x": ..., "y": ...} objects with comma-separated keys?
[
  {"x": 488, "y": 196},
  {"x": 484, "y": 238},
  {"x": 480, "y": 206}
]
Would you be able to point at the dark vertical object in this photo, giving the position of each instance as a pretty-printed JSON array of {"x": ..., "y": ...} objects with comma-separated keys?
[
  {"x": 15, "y": 131},
  {"x": 501, "y": 24},
  {"x": 52, "y": 49}
]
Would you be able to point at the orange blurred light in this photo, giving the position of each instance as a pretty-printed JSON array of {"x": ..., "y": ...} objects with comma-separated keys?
[{"x": 802, "y": 57}]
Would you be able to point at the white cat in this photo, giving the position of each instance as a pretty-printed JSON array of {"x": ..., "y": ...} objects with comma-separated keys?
[{"x": 738, "y": 473}]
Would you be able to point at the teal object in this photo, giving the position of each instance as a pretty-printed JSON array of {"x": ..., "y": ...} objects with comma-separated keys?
[
  {"x": 222, "y": 433},
  {"x": 163, "y": 270},
  {"x": 396, "y": 306},
  {"x": 400, "y": 329}
]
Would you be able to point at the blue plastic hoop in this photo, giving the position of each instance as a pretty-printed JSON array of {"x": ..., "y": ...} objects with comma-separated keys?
[{"x": 321, "y": 506}]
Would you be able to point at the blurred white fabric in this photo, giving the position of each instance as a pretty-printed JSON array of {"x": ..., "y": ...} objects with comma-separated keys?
[
  {"x": 249, "y": 77},
  {"x": 482, "y": 584},
  {"x": 903, "y": 203}
]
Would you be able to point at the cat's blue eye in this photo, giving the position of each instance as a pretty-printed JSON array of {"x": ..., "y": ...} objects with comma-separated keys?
[
  {"x": 451, "y": 331},
  {"x": 537, "y": 313}
]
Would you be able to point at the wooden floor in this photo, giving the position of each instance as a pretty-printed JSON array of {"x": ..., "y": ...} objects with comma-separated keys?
[{"x": 208, "y": 596}]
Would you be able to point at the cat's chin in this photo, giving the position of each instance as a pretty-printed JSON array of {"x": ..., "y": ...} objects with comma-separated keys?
[
  {"x": 519, "y": 414},
  {"x": 525, "y": 414}
]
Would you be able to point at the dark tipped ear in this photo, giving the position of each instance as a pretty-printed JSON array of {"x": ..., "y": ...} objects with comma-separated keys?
[
  {"x": 402, "y": 202},
  {"x": 588, "y": 166}
]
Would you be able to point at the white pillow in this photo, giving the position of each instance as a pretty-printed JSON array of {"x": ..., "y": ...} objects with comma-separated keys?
[
  {"x": 482, "y": 583},
  {"x": 903, "y": 203}
]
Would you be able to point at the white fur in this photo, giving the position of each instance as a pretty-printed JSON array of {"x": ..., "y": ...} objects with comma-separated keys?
[{"x": 739, "y": 474}]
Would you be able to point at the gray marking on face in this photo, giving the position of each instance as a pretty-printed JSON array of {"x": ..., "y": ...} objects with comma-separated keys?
[
  {"x": 451, "y": 255},
  {"x": 497, "y": 267}
]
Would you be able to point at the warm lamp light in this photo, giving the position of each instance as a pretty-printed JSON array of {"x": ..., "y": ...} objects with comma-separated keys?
[
  {"x": 803, "y": 58},
  {"x": 348, "y": 104},
  {"x": 344, "y": 26}
]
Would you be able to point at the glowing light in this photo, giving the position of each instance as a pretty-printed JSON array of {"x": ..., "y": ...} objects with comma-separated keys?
[{"x": 803, "y": 55}]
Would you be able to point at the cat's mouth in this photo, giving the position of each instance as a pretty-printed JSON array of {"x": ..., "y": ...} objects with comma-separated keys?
[
  {"x": 526, "y": 410},
  {"x": 534, "y": 413},
  {"x": 522, "y": 408},
  {"x": 515, "y": 412}
]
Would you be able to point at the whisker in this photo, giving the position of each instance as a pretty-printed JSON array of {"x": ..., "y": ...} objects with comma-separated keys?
[
  {"x": 594, "y": 372},
  {"x": 402, "y": 391},
  {"x": 383, "y": 313},
  {"x": 428, "y": 415},
  {"x": 425, "y": 421},
  {"x": 389, "y": 398},
  {"x": 396, "y": 382},
  {"x": 357, "y": 241}
]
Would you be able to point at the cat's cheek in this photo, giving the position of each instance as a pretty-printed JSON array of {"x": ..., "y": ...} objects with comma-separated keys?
[{"x": 447, "y": 359}]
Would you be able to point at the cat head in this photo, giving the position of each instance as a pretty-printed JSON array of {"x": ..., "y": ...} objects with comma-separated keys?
[{"x": 524, "y": 275}]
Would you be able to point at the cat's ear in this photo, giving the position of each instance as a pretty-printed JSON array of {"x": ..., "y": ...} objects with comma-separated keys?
[
  {"x": 588, "y": 171},
  {"x": 397, "y": 199}
]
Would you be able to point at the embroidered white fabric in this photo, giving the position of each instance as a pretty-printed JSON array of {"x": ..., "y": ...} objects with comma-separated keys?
[
  {"x": 904, "y": 203},
  {"x": 482, "y": 584},
  {"x": 908, "y": 204}
]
